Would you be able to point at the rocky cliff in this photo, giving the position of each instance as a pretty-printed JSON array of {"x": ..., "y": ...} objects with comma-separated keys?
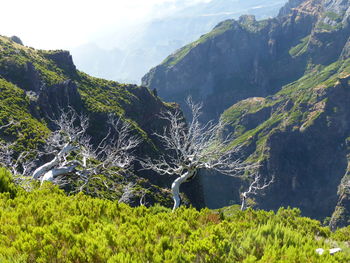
[
  {"x": 244, "y": 58},
  {"x": 289, "y": 79},
  {"x": 300, "y": 136}
]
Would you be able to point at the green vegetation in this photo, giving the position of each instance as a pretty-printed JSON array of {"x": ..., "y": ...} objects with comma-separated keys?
[
  {"x": 181, "y": 53},
  {"x": 48, "y": 226},
  {"x": 98, "y": 95},
  {"x": 25, "y": 76},
  {"x": 334, "y": 16},
  {"x": 328, "y": 27},
  {"x": 6, "y": 183},
  {"x": 107, "y": 96},
  {"x": 300, "y": 48},
  {"x": 250, "y": 24},
  {"x": 335, "y": 22},
  {"x": 14, "y": 106}
]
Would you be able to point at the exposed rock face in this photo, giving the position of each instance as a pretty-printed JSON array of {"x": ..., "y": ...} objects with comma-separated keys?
[
  {"x": 52, "y": 100},
  {"x": 309, "y": 164},
  {"x": 300, "y": 136},
  {"x": 32, "y": 78},
  {"x": 297, "y": 121},
  {"x": 245, "y": 58},
  {"x": 287, "y": 9},
  {"x": 237, "y": 60},
  {"x": 63, "y": 59},
  {"x": 17, "y": 40},
  {"x": 341, "y": 215}
]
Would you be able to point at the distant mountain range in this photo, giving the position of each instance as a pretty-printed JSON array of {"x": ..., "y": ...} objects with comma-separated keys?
[{"x": 150, "y": 43}]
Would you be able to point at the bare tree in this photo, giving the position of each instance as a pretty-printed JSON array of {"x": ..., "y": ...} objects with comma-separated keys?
[
  {"x": 192, "y": 147},
  {"x": 16, "y": 163},
  {"x": 128, "y": 193},
  {"x": 75, "y": 158},
  {"x": 113, "y": 154},
  {"x": 258, "y": 184},
  {"x": 70, "y": 131}
]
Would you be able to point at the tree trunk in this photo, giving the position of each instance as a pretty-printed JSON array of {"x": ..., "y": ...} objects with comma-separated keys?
[
  {"x": 52, "y": 174},
  {"x": 244, "y": 204},
  {"x": 48, "y": 166},
  {"x": 175, "y": 187}
]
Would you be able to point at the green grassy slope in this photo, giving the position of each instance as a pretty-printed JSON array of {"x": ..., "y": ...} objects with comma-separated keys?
[
  {"x": 47, "y": 226},
  {"x": 14, "y": 106}
]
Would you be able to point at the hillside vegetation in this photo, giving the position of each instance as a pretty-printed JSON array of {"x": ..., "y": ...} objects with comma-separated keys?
[
  {"x": 48, "y": 226},
  {"x": 36, "y": 86}
]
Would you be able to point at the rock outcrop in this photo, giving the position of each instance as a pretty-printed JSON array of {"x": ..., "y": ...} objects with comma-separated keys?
[{"x": 17, "y": 40}]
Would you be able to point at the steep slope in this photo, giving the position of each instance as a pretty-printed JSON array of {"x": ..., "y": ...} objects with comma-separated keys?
[
  {"x": 289, "y": 79},
  {"x": 36, "y": 85},
  {"x": 245, "y": 58},
  {"x": 300, "y": 136}
]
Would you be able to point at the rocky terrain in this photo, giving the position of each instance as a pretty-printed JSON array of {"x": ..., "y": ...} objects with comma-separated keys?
[{"x": 289, "y": 79}]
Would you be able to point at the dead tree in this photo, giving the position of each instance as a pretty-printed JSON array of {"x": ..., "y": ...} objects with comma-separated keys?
[
  {"x": 16, "y": 163},
  {"x": 258, "y": 184},
  {"x": 128, "y": 193},
  {"x": 75, "y": 157},
  {"x": 115, "y": 150},
  {"x": 192, "y": 147},
  {"x": 70, "y": 131}
]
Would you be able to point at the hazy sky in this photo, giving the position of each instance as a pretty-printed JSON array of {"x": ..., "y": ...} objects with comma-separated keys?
[{"x": 53, "y": 24}]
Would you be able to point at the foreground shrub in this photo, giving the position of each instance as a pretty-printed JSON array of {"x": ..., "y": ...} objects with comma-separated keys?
[
  {"x": 6, "y": 183},
  {"x": 48, "y": 226}
]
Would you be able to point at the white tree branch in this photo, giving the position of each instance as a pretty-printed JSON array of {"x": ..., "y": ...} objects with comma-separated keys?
[
  {"x": 192, "y": 147},
  {"x": 256, "y": 185}
]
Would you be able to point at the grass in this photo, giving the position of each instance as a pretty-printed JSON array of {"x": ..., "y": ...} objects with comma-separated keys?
[{"x": 299, "y": 49}]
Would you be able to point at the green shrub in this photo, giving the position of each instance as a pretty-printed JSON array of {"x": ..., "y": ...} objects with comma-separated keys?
[
  {"x": 6, "y": 183},
  {"x": 48, "y": 226}
]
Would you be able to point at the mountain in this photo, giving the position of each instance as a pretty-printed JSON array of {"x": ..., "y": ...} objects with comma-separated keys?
[
  {"x": 37, "y": 85},
  {"x": 129, "y": 56},
  {"x": 288, "y": 80}
]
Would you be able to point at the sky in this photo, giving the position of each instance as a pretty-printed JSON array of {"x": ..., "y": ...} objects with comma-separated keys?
[{"x": 64, "y": 24}]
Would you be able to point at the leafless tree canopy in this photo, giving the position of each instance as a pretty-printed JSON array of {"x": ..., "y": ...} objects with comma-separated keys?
[
  {"x": 74, "y": 155},
  {"x": 192, "y": 147},
  {"x": 256, "y": 186}
]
